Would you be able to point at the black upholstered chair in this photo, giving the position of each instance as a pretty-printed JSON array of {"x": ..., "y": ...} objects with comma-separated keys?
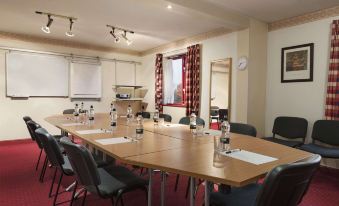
[
  {"x": 167, "y": 117},
  {"x": 291, "y": 128},
  {"x": 57, "y": 160},
  {"x": 327, "y": 132},
  {"x": 245, "y": 129},
  {"x": 285, "y": 185},
  {"x": 68, "y": 111},
  {"x": 27, "y": 119},
  {"x": 186, "y": 121},
  {"x": 106, "y": 183},
  {"x": 145, "y": 115}
]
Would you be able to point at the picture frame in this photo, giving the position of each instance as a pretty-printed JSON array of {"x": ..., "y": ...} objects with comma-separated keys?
[{"x": 297, "y": 63}]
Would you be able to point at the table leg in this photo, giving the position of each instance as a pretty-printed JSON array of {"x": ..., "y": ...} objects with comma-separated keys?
[
  {"x": 163, "y": 185},
  {"x": 192, "y": 190},
  {"x": 207, "y": 192},
  {"x": 150, "y": 182}
]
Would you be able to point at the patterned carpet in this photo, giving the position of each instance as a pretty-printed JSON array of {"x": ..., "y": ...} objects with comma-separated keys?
[{"x": 19, "y": 185}]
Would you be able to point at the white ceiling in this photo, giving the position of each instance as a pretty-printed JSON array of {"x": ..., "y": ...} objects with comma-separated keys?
[{"x": 153, "y": 23}]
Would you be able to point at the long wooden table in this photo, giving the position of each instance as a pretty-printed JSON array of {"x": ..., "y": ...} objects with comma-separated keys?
[{"x": 172, "y": 148}]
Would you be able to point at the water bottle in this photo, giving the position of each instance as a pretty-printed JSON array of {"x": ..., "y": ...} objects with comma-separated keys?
[
  {"x": 91, "y": 113},
  {"x": 82, "y": 108},
  {"x": 156, "y": 117},
  {"x": 111, "y": 108},
  {"x": 114, "y": 118},
  {"x": 225, "y": 136},
  {"x": 76, "y": 112},
  {"x": 129, "y": 113},
  {"x": 193, "y": 123},
  {"x": 140, "y": 128}
]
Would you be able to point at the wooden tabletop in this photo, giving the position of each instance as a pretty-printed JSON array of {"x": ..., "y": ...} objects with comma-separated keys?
[{"x": 172, "y": 148}]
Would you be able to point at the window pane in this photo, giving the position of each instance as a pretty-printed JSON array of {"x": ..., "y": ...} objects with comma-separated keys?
[
  {"x": 173, "y": 88},
  {"x": 177, "y": 80}
]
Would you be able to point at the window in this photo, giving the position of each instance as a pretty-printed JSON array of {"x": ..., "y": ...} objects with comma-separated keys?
[{"x": 174, "y": 81}]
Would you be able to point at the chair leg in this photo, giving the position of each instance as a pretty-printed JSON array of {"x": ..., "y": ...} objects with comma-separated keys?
[
  {"x": 142, "y": 169},
  {"x": 112, "y": 201},
  {"x": 84, "y": 199},
  {"x": 43, "y": 169},
  {"x": 73, "y": 193},
  {"x": 57, "y": 191},
  {"x": 176, "y": 183},
  {"x": 37, "y": 164},
  {"x": 188, "y": 187},
  {"x": 52, "y": 185},
  {"x": 118, "y": 198}
]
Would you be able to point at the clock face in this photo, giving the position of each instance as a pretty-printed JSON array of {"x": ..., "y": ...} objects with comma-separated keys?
[{"x": 242, "y": 63}]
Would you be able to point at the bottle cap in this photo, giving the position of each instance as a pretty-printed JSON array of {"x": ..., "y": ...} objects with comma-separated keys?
[{"x": 91, "y": 106}]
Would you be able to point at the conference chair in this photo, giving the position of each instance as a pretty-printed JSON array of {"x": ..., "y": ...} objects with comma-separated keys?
[
  {"x": 285, "y": 185},
  {"x": 244, "y": 129},
  {"x": 186, "y": 121},
  {"x": 68, "y": 111},
  {"x": 214, "y": 113},
  {"x": 291, "y": 128},
  {"x": 167, "y": 117},
  {"x": 145, "y": 115},
  {"x": 57, "y": 160},
  {"x": 326, "y": 132},
  {"x": 111, "y": 182}
]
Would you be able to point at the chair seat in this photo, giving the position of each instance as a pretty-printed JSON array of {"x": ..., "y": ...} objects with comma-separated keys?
[
  {"x": 326, "y": 152},
  {"x": 100, "y": 162},
  {"x": 243, "y": 196},
  {"x": 283, "y": 142},
  {"x": 116, "y": 178}
]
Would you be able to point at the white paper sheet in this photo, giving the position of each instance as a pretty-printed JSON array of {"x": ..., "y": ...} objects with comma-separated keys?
[
  {"x": 72, "y": 124},
  {"x": 173, "y": 125},
  {"x": 92, "y": 131},
  {"x": 212, "y": 132},
  {"x": 250, "y": 157},
  {"x": 116, "y": 140}
]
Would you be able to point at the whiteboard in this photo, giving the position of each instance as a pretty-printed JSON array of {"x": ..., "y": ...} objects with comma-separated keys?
[
  {"x": 125, "y": 74},
  {"x": 85, "y": 80},
  {"x": 30, "y": 74}
]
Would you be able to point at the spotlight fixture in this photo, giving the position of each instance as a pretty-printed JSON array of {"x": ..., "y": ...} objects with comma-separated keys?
[
  {"x": 70, "y": 32},
  {"x": 128, "y": 41},
  {"x": 49, "y": 23},
  {"x": 116, "y": 38},
  {"x": 121, "y": 33},
  {"x": 169, "y": 6},
  {"x": 46, "y": 28}
]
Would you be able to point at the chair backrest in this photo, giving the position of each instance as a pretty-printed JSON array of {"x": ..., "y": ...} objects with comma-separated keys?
[
  {"x": 290, "y": 127},
  {"x": 51, "y": 147},
  {"x": 82, "y": 163},
  {"x": 167, "y": 117},
  {"x": 145, "y": 115},
  {"x": 26, "y": 118},
  {"x": 186, "y": 121},
  {"x": 326, "y": 131},
  {"x": 68, "y": 111},
  {"x": 286, "y": 184},
  {"x": 32, "y": 126},
  {"x": 223, "y": 114},
  {"x": 241, "y": 128}
]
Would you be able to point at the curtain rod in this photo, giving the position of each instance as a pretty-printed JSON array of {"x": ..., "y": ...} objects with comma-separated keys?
[
  {"x": 177, "y": 50},
  {"x": 68, "y": 55}
]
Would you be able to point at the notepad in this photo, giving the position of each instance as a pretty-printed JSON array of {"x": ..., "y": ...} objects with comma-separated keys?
[
  {"x": 92, "y": 131},
  {"x": 72, "y": 124},
  {"x": 212, "y": 132},
  {"x": 250, "y": 157},
  {"x": 116, "y": 140}
]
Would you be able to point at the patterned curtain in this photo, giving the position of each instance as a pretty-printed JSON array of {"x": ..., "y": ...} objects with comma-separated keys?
[
  {"x": 332, "y": 97},
  {"x": 158, "y": 82},
  {"x": 193, "y": 79}
]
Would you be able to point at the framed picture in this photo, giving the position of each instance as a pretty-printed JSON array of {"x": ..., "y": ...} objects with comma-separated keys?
[{"x": 297, "y": 63}]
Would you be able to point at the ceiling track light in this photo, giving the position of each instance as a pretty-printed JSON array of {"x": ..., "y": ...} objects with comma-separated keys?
[
  {"x": 46, "y": 28},
  {"x": 123, "y": 34}
]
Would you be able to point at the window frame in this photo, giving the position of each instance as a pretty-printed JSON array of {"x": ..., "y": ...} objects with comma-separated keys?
[{"x": 183, "y": 103}]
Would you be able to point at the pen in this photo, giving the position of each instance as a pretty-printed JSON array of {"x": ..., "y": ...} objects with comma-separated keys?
[{"x": 233, "y": 150}]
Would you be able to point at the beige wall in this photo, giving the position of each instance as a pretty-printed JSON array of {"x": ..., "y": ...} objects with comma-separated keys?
[{"x": 12, "y": 111}]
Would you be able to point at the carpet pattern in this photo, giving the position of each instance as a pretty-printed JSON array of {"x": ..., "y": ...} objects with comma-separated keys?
[{"x": 19, "y": 183}]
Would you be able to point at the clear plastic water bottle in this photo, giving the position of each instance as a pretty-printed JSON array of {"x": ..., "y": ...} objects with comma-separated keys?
[
  {"x": 225, "y": 136},
  {"x": 82, "y": 110},
  {"x": 114, "y": 118},
  {"x": 193, "y": 123},
  {"x": 91, "y": 113},
  {"x": 129, "y": 113},
  {"x": 111, "y": 108},
  {"x": 76, "y": 112},
  {"x": 140, "y": 128},
  {"x": 156, "y": 117}
]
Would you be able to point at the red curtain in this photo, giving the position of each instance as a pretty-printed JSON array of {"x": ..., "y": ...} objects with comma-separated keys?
[
  {"x": 332, "y": 97},
  {"x": 193, "y": 79},
  {"x": 158, "y": 82}
]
